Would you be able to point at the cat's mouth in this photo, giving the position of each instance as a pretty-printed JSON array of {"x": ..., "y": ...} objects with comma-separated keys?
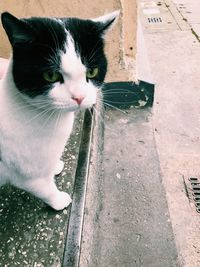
[
  {"x": 71, "y": 108},
  {"x": 65, "y": 107},
  {"x": 73, "y": 105}
]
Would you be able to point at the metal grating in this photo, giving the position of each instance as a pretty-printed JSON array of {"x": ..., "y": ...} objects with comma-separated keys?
[
  {"x": 155, "y": 20},
  {"x": 195, "y": 186}
]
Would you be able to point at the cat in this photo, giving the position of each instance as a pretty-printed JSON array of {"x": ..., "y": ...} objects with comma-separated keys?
[{"x": 57, "y": 67}]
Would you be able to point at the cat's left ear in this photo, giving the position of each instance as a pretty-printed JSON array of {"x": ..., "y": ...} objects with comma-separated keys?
[
  {"x": 17, "y": 30},
  {"x": 105, "y": 22}
]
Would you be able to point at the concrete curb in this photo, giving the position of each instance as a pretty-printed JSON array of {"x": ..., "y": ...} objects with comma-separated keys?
[{"x": 74, "y": 233}]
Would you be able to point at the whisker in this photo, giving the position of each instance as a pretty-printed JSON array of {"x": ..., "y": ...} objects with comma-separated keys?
[
  {"x": 98, "y": 114},
  {"x": 118, "y": 102},
  {"x": 48, "y": 118},
  {"x": 39, "y": 115},
  {"x": 54, "y": 36},
  {"x": 118, "y": 92},
  {"x": 101, "y": 117},
  {"x": 17, "y": 108},
  {"x": 57, "y": 122},
  {"x": 94, "y": 51},
  {"x": 113, "y": 107},
  {"x": 91, "y": 113}
]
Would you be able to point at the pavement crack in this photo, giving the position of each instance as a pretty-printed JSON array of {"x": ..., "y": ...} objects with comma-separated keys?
[{"x": 185, "y": 187}]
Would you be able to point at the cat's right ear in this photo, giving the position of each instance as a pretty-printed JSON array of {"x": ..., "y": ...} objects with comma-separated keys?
[
  {"x": 17, "y": 30},
  {"x": 105, "y": 22}
]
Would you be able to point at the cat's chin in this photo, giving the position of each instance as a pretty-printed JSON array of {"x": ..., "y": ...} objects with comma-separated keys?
[
  {"x": 66, "y": 109},
  {"x": 72, "y": 109}
]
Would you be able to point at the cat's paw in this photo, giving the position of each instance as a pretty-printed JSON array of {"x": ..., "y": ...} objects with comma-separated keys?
[
  {"x": 59, "y": 167},
  {"x": 61, "y": 201}
]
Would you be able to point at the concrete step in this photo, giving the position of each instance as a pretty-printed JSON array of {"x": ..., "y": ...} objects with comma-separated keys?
[{"x": 127, "y": 221}]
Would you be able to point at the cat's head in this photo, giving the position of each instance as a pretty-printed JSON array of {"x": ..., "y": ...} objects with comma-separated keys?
[{"x": 58, "y": 61}]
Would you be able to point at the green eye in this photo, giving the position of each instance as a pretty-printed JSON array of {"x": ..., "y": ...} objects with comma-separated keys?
[
  {"x": 92, "y": 73},
  {"x": 52, "y": 76}
]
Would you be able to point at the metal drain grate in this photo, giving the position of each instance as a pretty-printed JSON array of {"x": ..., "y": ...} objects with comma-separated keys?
[
  {"x": 195, "y": 185},
  {"x": 155, "y": 20}
]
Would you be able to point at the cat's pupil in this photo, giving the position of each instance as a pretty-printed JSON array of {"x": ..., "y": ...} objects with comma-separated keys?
[
  {"x": 51, "y": 75},
  {"x": 92, "y": 73}
]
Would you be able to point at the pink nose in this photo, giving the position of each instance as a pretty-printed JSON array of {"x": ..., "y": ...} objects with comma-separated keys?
[{"x": 78, "y": 99}]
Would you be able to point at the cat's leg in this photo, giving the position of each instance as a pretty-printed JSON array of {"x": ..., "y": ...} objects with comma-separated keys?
[
  {"x": 59, "y": 167},
  {"x": 46, "y": 190}
]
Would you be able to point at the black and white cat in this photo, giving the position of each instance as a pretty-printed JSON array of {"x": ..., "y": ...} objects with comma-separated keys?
[{"x": 56, "y": 68}]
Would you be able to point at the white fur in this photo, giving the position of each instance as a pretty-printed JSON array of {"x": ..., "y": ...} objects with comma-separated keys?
[
  {"x": 108, "y": 17},
  {"x": 32, "y": 138},
  {"x": 74, "y": 80}
]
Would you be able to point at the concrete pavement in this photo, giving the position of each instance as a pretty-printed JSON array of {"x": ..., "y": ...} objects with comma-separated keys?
[
  {"x": 189, "y": 10},
  {"x": 174, "y": 56},
  {"x": 120, "y": 215}
]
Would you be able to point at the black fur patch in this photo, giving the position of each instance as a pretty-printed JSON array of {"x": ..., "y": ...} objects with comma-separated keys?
[
  {"x": 38, "y": 43},
  {"x": 89, "y": 44},
  {"x": 32, "y": 59}
]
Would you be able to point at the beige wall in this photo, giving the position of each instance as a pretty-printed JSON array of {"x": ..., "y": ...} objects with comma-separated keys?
[{"x": 120, "y": 45}]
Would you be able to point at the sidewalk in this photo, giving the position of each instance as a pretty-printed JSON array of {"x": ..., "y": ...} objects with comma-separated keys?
[
  {"x": 174, "y": 55},
  {"x": 190, "y": 12}
]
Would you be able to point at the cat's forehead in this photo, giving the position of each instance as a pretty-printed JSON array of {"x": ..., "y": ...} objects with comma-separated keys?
[
  {"x": 77, "y": 40},
  {"x": 54, "y": 31},
  {"x": 71, "y": 62}
]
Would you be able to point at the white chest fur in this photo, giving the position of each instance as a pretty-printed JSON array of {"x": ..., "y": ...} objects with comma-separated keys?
[{"x": 31, "y": 139}]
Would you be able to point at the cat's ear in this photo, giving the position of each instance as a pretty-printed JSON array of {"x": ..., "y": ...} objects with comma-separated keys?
[
  {"x": 17, "y": 30},
  {"x": 105, "y": 22}
]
